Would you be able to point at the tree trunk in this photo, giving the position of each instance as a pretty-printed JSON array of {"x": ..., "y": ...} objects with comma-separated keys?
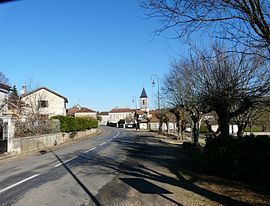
[
  {"x": 196, "y": 131},
  {"x": 167, "y": 125},
  {"x": 196, "y": 135},
  {"x": 240, "y": 131},
  {"x": 160, "y": 127},
  {"x": 224, "y": 123},
  {"x": 180, "y": 131},
  {"x": 178, "y": 125}
]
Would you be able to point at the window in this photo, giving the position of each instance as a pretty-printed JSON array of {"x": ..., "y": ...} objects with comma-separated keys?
[
  {"x": 143, "y": 102},
  {"x": 42, "y": 103}
]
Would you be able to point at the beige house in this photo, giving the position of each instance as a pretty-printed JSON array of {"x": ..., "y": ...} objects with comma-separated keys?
[
  {"x": 104, "y": 118},
  {"x": 78, "y": 111},
  {"x": 43, "y": 102},
  {"x": 4, "y": 90},
  {"x": 117, "y": 114}
]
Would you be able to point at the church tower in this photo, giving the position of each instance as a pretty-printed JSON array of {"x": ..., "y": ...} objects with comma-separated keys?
[{"x": 144, "y": 102}]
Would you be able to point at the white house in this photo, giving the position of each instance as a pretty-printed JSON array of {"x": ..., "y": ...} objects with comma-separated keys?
[
  {"x": 104, "y": 118},
  {"x": 43, "y": 102},
  {"x": 78, "y": 111},
  {"x": 4, "y": 90},
  {"x": 117, "y": 114},
  {"x": 4, "y": 118}
]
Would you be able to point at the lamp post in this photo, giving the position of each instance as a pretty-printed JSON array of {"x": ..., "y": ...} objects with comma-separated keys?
[
  {"x": 134, "y": 99},
  {"x": 155, "y": 80}
]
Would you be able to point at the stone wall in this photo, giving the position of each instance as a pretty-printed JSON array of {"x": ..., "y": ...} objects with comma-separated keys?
[{"x": 33, "y": 143}]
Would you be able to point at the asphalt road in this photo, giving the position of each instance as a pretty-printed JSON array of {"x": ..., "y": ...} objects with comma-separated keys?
[
  {"x": 117, "y": 167},
  {"x": 71, "y": 175}
]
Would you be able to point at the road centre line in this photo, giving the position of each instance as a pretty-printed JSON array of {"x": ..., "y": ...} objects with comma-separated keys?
[
  {"x": 116, "y": 135},
  {"x": 18, "y": 183},
  {"x": 36, "y": 175},
  {"x": 102, "y": 143},
  {"x": 90, "y": 150},
  {"x": 66, "y": 161},
  {"x": 87, "y": 150}
]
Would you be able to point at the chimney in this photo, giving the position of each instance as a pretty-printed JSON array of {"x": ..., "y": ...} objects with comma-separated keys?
[{"x": 23, "y": 91}]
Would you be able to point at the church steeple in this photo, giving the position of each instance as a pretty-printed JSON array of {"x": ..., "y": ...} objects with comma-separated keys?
[
  {"x": 144, "y": 104},
  {"x": 143, "y": 95}
]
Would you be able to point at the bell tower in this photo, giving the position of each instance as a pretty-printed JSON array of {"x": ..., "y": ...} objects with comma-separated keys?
[{"x": 144, "y": 101}]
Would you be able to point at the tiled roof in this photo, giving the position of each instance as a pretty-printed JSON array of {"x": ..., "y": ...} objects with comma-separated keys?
[
  {"x": 40, "y": 88},
  {"x": 76, "y": 109},
  {"x": 141, "y": 112},
  {"x": 121, "y": 110},
  {"x": 104, "y": 113},
  {"x": 4, "y": 88}
]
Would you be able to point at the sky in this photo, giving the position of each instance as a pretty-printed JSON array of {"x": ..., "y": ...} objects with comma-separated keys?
[{"x": 97, "y": 53}]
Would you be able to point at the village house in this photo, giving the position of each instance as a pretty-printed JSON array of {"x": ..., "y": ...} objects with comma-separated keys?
[
  {"x": 126, "y": 117},
  {"x": 4, "y": 90},
  {"x": 4, "y": 117},
  {"x": 78, "y": 111},
  {"x": 121, "y": 116},
  {"x": 43, "y": 102},
  {"x": 104, "y": 118}
]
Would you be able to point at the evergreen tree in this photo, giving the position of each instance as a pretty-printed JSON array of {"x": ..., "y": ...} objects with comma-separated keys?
[{"x": 14, "y": 93}]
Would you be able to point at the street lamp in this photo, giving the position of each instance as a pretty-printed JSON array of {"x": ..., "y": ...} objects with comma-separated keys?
[
  {"x": 155, "y": 80},
  {"x": 134, "y": 100}
]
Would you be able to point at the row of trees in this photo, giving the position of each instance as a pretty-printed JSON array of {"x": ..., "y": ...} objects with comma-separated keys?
[
  {"x": 230, "y": 84},
  {"x": 231, "y": 81}
]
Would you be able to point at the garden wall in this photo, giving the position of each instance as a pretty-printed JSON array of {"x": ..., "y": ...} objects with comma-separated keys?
[{"x": 33, "y": 143}]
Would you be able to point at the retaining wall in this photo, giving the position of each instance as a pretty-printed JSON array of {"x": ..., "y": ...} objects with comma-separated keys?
[{"x": 33, "y": 143}]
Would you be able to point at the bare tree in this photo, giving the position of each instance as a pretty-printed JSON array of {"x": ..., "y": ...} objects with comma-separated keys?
[
  {"x": 240, "y": 21},
  {"x": 229, "y": 84},
  {"x": 255, "y": 114},
  {"x": 3, "y": 78},
  {"x": 181, "y": 119},
  {"x": 182, "y": 91}
]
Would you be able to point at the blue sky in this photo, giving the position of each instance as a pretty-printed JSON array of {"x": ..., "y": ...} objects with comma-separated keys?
[{"x": 98, "y": 53}]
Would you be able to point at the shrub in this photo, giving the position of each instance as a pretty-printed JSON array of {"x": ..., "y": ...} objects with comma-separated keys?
[
  {"x": 36, "y": 127},
  {"x": 74, "y": 124},
  {"x": 246, "y": 158},
  {"x": 254, "y": 129},
  {"x": 203, "y": 129}
]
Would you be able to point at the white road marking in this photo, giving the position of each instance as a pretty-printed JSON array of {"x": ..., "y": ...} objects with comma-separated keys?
[
  {"x": 36, "y": 175},
  {"x": 18, "y": 183},
  {"x": 66, "y": 161},
  {"x": 90, "y": 150},
  {"x": 116, "y": 135},
  {"x": 102, "y": 143}
]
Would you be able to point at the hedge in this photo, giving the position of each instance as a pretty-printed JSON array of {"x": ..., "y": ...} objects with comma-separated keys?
[
  {"x": 74, "y": 124},
  {"x": 246, "y": 158}
]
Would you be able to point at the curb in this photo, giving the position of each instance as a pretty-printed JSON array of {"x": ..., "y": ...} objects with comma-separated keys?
[{"x": 9, "y": 156}]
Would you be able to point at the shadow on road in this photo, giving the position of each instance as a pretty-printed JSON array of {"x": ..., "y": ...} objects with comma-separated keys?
[
  {"x": 146, "y": 187},
  {"x": 170, "y": 157},
  {"x": 78, "y": 181}
]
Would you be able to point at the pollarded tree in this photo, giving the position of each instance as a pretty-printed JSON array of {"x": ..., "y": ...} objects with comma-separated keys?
[
  {"x": 228, "y": 84},
  {"x": 240, "y": 21},
  {"x": 257, "y": 115},
  {"x": 231, "y": 84},
  {"x": 181, "y": 91},
  {"x": 181, "y": 119}
]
